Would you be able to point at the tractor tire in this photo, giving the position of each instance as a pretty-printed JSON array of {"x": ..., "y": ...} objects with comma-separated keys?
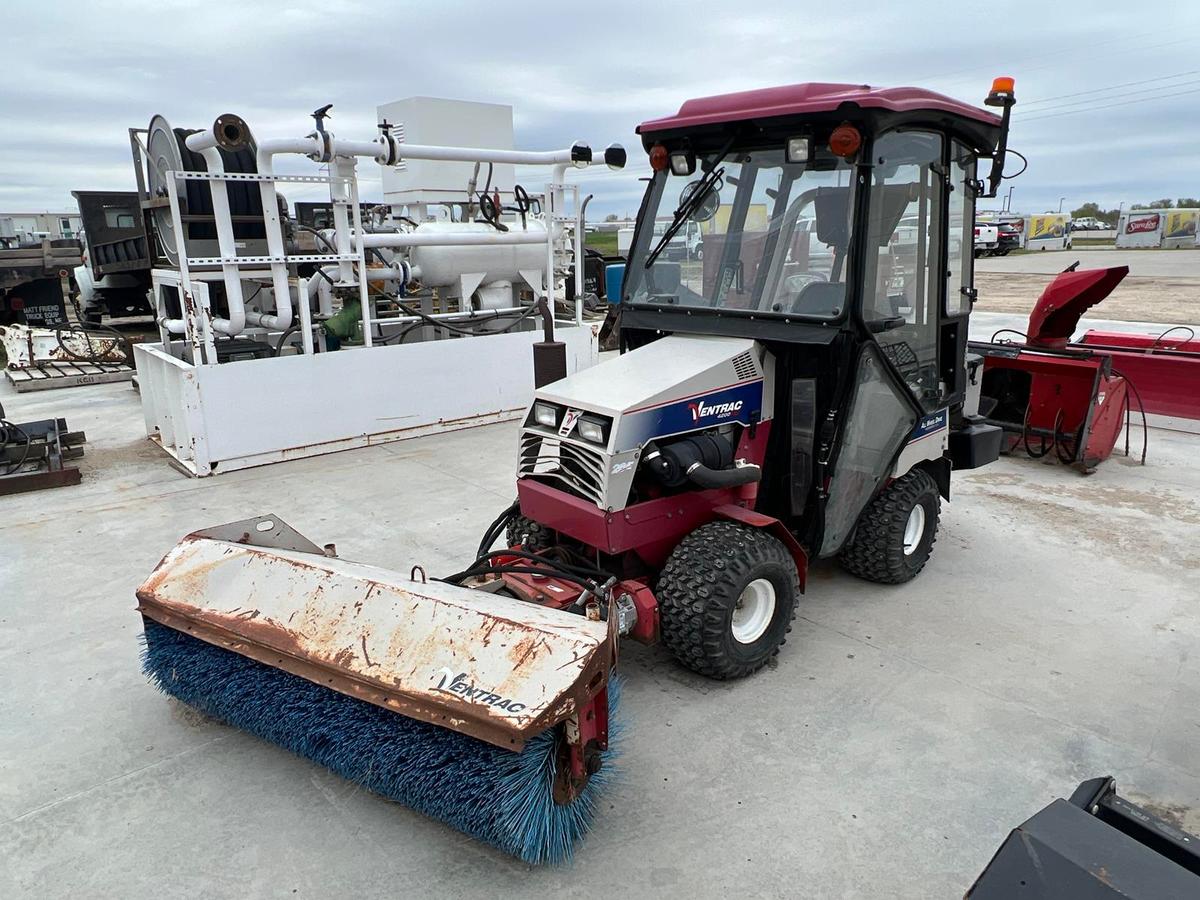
[
  {"x": 531, "y": 535},
  {"x": 726, "y": 599},
  {"x": 896, "y": 531}
]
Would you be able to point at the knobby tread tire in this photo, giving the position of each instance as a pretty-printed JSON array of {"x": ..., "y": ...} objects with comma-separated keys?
[
  {"x": 876, "y": 551},
  {"x": 700, "y": 585}
]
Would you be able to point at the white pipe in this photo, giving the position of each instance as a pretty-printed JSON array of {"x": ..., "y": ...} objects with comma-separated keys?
[
  {"x": 339, "y": 198},
  {"x": 200, "y": 141},
  {"x": 459, "y": 239},
  {"x": 236, "y": 322},
  {"x": 306, "y": 146},
  {"x": 374, "y": 273},
  {"x": 270, "y": 204},
  {"x": 306, "y": 332},
  {"x": 376, "y": 150},
  {"x": 206, "y": 143},
  {"x": 469, "y": 154},
  {"x": 580, "y": 258}
]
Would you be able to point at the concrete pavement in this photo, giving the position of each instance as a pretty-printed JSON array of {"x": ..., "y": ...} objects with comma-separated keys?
[{"x": 904, "y": 731}]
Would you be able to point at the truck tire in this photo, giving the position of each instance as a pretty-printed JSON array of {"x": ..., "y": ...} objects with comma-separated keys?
[
  {"x": 895, "y": 533},
  {"x": 531, "y": 535},
  {"x": 726, "y": 599}
]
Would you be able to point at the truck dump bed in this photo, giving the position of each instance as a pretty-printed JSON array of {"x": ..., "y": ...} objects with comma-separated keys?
[{"x": 114, "y": 231}]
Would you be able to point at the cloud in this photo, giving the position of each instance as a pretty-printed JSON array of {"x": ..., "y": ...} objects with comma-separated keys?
[{"x": 90, "y": 70}]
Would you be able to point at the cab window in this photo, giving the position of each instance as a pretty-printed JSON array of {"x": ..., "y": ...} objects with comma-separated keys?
[
  {"x": 959, "y": 251},
  {"x": 904, "y": 276}
]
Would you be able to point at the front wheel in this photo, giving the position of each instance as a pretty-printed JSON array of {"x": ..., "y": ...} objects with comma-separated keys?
[
  {"x": 895, "y": 533},
  {"x": 726, "y": 599}
]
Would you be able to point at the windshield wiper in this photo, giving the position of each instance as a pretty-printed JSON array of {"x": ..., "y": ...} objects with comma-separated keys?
[{"x": 704, "y": 187}]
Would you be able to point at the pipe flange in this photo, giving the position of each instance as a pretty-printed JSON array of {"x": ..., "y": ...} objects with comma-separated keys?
[{"x": 231, "y": 132}]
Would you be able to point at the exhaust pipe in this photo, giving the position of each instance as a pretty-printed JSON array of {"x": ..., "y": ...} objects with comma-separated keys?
[{"x": 549, "y": 355}]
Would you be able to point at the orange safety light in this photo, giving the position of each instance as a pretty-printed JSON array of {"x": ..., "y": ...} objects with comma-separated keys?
[
  {"x": 659, "y": 158},
  {"x": 1003, "y": 85},
  {"x": 845, "y": 141}
]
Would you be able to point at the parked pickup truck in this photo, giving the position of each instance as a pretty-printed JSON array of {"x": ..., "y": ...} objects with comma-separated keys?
[{"x": 987, "y": 239}]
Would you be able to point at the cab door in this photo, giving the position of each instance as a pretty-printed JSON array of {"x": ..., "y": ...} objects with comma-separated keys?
[{"x": 898, "y": 380}]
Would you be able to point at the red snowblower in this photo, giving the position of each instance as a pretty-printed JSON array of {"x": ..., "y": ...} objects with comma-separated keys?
[
  {"x": 1049, "y": 395},
  {"x": 797, "y": 388}
]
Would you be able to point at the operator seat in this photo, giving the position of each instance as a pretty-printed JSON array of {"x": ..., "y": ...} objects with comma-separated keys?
[{"x": 826, "y": 299}]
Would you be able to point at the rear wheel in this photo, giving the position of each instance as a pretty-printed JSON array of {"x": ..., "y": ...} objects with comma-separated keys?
[
  {"x": 726, "y": 599},
  {"x": 895, "y": 533}
]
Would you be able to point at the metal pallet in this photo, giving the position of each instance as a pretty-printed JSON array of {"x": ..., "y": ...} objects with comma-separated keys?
[{"x": 46, "y": 376}]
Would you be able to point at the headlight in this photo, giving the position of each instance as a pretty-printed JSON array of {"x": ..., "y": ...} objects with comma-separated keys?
[
  {"x": 545, "y": 414},
  {"x": 591, "y": 430}
]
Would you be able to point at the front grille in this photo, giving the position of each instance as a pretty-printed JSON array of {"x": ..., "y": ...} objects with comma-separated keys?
[
  {"x": 578, "y": 469},
  {"x": 744, "y": 367}
]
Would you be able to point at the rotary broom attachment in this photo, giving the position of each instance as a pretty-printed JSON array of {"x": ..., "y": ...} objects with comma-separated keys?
[{"x": 487, "y": 713}]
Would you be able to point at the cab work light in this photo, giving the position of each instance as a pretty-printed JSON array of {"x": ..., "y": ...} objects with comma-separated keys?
[
  {"x": 683, "y": 162},
  {"x": 798, "y": 150}
]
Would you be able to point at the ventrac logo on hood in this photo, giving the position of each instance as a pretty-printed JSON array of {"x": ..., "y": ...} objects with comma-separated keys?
[
  {"x": 568, "y": 422},
  {"x": 462, "y": 687},
  {"x": 701, "y": 410}
]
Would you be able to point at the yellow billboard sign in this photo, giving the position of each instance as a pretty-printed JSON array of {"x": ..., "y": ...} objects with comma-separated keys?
[
  {"x": 756, "y": 219},
  {"x": 1181, "y": 223},
  {"x": 1047, "y": 227}
]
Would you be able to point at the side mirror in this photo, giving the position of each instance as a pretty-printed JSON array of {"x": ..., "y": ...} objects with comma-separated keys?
[{"x": 708, "y": 205}]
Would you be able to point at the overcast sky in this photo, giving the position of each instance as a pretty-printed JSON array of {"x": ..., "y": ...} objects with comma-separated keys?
[{"x": 1095, "y": 113}]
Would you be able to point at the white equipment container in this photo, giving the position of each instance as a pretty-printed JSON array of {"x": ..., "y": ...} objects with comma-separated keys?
[
  {"x": 212, "y": 414},
  {"x": 454, "y": 123}
]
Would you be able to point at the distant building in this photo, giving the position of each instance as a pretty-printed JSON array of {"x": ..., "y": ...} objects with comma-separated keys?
[{"x": 34, "y": 226}]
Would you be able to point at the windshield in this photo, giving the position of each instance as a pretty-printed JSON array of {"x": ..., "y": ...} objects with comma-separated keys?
[{"x": 771, "y": 237}]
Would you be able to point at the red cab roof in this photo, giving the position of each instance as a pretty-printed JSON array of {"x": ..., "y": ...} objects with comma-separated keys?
[{"x": 813, "y": 97}]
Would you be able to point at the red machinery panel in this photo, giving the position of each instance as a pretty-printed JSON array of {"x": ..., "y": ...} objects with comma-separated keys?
[{"x": 1164, "y": 371}]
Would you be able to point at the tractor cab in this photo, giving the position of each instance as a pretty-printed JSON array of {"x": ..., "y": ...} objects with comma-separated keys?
[{"x": 836, "y": 231}]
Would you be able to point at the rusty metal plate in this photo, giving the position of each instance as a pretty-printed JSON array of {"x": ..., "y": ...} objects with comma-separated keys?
[{"x": 486, "y": 665}]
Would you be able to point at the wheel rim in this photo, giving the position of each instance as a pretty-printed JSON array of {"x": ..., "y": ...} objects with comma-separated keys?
[
  {"x": 914, "y": 529},
  {"x": 753, "y": 612}
]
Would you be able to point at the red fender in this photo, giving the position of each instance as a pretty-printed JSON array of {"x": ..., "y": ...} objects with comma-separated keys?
[{"x": 775, "y": 527}]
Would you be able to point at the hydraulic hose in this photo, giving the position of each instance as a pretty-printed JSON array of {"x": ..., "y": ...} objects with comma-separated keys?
[{"x": 704, "y": 477}]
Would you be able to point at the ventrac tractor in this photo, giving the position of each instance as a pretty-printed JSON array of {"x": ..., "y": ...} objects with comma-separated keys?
[
  {"x": 797, "y": 389},
  {"x": 772, "y": 404}
]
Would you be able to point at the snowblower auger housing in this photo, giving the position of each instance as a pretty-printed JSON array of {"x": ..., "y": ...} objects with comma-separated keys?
[{"x": 475, "y": 662}]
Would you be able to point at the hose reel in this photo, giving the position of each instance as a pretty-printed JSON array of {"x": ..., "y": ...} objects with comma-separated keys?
[{"x": 168, "y": 153}]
